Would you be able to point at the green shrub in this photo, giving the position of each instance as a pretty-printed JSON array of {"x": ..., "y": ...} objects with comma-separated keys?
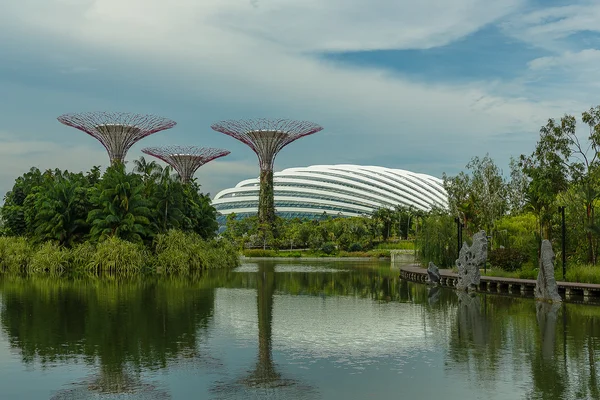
[
  {"x": 49, "y": 257},
  {"x": 401, "y": 245},
  {"x": 114, "y": 254},
  {"x": 15, "y": 253},
  {"x": 507, "y": 259},
  {"x": 355, "y": 247},
  {"x": 82, "y": 256},
  {"x": 379, "y": 253},
  {"x": 328, "y": 248},
  {"x": 582, "y": 273},
  {"x": 260, "y": 253},
  {"x": 180, "y": 251}
]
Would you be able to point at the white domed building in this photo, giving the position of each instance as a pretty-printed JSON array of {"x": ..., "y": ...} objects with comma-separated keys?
[{"x": 336, "y": 190}]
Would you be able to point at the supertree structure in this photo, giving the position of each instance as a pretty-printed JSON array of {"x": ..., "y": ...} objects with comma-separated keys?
[
  {"x": 185, "y": 159},
  {"x": 116, "y": 131},
  {"x": 266, "y": 138}
]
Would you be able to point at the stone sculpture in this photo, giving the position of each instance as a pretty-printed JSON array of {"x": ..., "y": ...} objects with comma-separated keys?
[
  {"x": 434, "y": 273},
  {"x": 546, "y": 288},
  {"x": 470, "y": 260}
]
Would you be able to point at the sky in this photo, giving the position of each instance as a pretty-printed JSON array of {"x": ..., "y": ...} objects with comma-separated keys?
[{"x": 423, "y": 86}]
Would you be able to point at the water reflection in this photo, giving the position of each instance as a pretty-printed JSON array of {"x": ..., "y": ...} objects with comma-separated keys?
[
  {"x": 357, "y": 323},
  {"x": 122, "y": 327}
]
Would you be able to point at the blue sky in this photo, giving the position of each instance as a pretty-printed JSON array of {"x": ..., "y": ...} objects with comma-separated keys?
[{"x": 422, "y": 86}]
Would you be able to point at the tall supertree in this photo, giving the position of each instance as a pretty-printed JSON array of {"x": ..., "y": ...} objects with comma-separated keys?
[
  {"x": 266, "y": 138},
  {"x": 116, "y": 131},
  {"x": 185, "y": 159}
]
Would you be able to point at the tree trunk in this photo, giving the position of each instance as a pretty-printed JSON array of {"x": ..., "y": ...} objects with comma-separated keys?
[{"x": 590, "y": 239}]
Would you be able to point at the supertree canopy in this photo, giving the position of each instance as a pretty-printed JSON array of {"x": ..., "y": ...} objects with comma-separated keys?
[
  {"x": 185, "y": 159},
  {"x": 266, "y": 138},
  {"x": 116, "y": 131}
]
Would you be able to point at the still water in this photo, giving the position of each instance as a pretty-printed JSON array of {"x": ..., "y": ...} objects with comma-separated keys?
[{"x": 325, "y": 330}]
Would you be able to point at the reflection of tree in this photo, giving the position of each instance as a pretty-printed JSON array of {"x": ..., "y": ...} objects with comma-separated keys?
[{"x": 124, "y": 326}]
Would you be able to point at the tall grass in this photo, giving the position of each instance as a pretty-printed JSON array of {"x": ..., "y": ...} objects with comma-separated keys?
[
  {"x": 15, "y": 253},
  {"x": 114, "y": 254},
  {"x": 49, "y": 257},
  {"x": 174, "y": 251},
  {"x": 583, "y": 273}
]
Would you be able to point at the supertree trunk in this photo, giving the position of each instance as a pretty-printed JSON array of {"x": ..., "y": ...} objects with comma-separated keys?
[{"x": 266, "y": 199}]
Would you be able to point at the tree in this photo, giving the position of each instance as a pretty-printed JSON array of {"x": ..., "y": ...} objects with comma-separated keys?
[
  {"x": 201, "y": 216},
  {"x": 61, "y": 208},
  {"x": 561, "y": 159},
  {"x": 479, "y": 199},
  {"x": 120, "y": 208},
  {"x": 488, "y": 190},
  {"x": 13, "y": 212}
]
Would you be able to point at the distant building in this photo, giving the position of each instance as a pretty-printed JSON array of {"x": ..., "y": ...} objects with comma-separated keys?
[{"x": 346, "y": 190}]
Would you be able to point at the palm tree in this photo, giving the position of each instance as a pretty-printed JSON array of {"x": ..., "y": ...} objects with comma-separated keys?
[
  {"x": 168, "y": 201},
  {"x": 121, "y": 209},
  {"x": 150, "y": 171},
  {"x": 61, "y": 210}
]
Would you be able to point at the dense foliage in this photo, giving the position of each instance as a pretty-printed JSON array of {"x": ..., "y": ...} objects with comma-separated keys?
[
  {"x": 70, "y": 208},
  {"x": 95, "y": 217},
  {"x": 519, "y": 211},
  {"x": 327, "y": 235}
]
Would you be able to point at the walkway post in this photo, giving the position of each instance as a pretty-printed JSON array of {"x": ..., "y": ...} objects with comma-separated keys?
[
  {"x": 564, "y": 242},
  {"x": 458, "y": 235}
]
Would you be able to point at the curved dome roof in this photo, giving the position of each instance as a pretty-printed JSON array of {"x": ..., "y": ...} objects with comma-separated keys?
[{"x": 348, "y": 190}]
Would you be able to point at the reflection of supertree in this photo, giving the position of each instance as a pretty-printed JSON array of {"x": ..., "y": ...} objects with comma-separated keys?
[
  {"x": 264, "y": 373},
  {"x": 116, "y": 131},
  {"x": 185, "y": 159},
  {"x": 266, "y": 138},
  {"x": 264, "y": 377}
]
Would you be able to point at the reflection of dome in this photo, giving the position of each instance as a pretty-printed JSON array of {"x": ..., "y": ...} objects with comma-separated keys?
[{"x": 347, "y": 190}]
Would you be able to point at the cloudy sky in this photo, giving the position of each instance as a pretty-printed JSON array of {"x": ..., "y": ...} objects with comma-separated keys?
[{"x": 420, "y": 85}]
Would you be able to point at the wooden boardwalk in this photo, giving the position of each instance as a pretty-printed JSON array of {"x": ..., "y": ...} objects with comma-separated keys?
[{"x": 494, "y": 284}]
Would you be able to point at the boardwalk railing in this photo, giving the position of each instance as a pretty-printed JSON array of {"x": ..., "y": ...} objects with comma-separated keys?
[{"x": 504, "y": 285}]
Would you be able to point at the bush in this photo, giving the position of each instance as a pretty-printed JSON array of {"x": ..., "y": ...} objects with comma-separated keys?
[
  {"x": 582, "y": 273},
  {"x": 180, "y": 251},
  {"x": 328, "y": 248},
  {"x": 15, "y": 253},
  {"x": 401, "y": 245},
  {"x": 82, "y": 256},
  {"x": 507, "y": 259},
  {"x": 50, "y": 257},
  {"x": 114, "y": 254},
  {"x": 355, "y": 247},
  {"x": 260, "y": 253}
]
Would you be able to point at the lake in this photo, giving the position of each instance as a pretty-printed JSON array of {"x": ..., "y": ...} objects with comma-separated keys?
[{"x": 288, "y": 330}]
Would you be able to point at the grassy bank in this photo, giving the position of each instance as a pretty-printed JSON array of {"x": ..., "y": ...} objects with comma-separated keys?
[
  {"x": 173, "y": 251},
  {"x": 376, "y": 253}
]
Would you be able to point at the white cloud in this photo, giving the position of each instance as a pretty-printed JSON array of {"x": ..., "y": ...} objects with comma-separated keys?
[
  {"x": 301, "y": 25},
  {"x": 586, "y": 60},
  {"x": 552, "y": 28},
  {"x": 260, "y": 53}
]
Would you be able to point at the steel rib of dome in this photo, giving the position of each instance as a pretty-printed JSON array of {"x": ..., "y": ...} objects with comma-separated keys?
[{"x": 347, "y": 190}]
